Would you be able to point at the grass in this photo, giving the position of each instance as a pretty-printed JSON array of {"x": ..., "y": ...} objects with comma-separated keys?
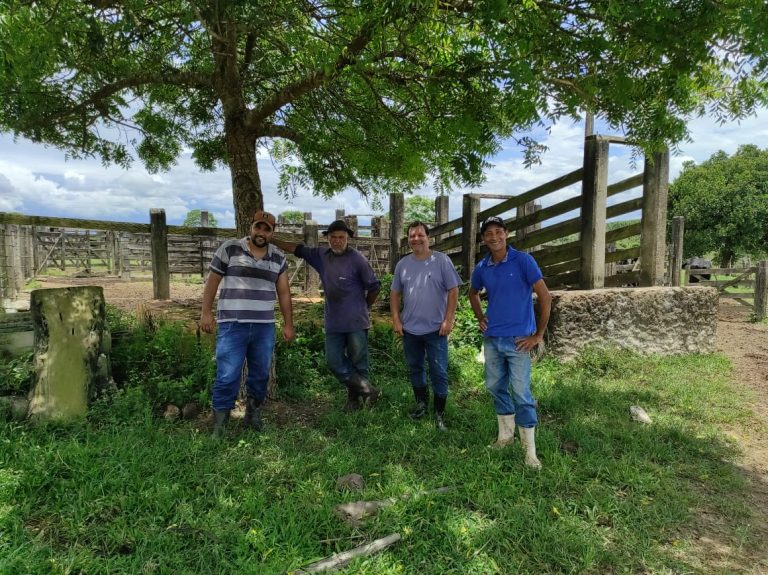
[{"x": 613, "y": 497}]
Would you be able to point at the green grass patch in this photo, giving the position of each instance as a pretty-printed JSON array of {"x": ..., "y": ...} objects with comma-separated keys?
[{"x": 614, "y": 496}]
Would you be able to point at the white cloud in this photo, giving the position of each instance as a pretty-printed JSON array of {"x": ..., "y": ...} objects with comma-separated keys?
[{"x": 39, "y": 180}]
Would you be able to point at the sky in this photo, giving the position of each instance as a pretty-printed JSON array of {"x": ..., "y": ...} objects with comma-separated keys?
[{"x": 38, "y": 180}]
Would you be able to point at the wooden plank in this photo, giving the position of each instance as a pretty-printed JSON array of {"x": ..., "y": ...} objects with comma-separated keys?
[
  {"x": 723, "y": 271},
  {"x": 625, "y": 254},
  {"x": 561, "y": 268},
  {"x": 594, "y": 192},
  {"x": 531, "y": 195}
]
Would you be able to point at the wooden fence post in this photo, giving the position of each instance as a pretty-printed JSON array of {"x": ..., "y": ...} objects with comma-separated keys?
[
  {"x": 379, "y": 227},
  {"x": 441, "y": 213},
  {"x": 653, "y": 230},
  {"x": 469, "y": 231},
  {"x": 311, "y": 240},
  {"x": 161, "y": 275},
  {"x": 678, "y": 230},
  {"x": 339, "y": 214},
  {"x": 351, "y": 222},
  {"x": 761, "y": 290},
  {"x": 594, "y": 193},
  {"x": 396, "y": 222}
]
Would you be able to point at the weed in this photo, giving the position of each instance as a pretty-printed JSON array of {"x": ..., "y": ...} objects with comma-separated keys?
[{"x": 16, "y": 373}]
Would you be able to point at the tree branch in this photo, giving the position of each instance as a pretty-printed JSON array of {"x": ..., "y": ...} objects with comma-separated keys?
[{"x": 314, "y": 79}]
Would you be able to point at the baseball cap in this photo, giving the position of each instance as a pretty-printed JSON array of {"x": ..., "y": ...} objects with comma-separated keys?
[
  {"x": 339, "y": 226},
  {"x": 492, "y": 221},
  {"x": 264, "y": 217}
]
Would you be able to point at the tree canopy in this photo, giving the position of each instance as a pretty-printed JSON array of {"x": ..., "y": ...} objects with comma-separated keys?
[
  {"x": 293, "y": 216},
  {"x": 377, "y": 95},
  {"x": 419, "y": 208},
  {"x": 725, "y": 204},
  {"x": 194, "y": 219}
]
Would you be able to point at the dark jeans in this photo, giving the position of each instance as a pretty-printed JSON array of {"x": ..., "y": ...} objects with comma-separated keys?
[
  {"x": 236, "y": 342},
  {"x": 347, "y": 353},
  {"x": 435, "y": 347}
]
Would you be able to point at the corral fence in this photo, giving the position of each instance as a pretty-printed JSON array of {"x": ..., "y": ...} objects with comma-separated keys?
[
  {"x": 745, "y": 285},
  {"x": 36, "y": 245},
  {"x": 570, "y": 237}
]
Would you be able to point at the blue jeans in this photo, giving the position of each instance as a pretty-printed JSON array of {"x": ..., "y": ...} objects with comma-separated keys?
[
  {"x": 505, "y": 369},
  {"x": 435, "y": 346},
  {"x": 236, "y": 342},
  {"x": 347, "y": 353}
]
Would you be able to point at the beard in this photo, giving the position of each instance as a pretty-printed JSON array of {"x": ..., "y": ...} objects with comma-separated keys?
[{"x": 259, "y": 241}]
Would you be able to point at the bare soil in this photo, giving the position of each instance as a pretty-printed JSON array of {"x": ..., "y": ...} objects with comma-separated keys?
[{"x": 720, "y": 544}]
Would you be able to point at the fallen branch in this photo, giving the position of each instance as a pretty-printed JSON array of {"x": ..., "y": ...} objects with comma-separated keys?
[{"x": 341, "y": 559}]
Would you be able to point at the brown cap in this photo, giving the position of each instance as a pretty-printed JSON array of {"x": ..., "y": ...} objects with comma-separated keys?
[{"x": 264, "y": 217}]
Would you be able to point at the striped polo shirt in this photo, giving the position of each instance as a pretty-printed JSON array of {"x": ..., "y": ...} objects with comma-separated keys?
[{"x": 247, "y": 291}]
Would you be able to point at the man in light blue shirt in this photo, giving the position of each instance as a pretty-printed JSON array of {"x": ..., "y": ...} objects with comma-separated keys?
[{"x": 428, "y": 284}]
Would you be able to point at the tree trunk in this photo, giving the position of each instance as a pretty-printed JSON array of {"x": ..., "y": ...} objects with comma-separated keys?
[
  {"x": 246, "y": 183},
  {"x": 72, "y": 344},
  {"x": 726, "y": 258}
]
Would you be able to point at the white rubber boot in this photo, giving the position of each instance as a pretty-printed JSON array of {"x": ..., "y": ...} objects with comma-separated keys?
[
  {"x": 506, "y": 430},
  {"x": 528, "y": 439}
]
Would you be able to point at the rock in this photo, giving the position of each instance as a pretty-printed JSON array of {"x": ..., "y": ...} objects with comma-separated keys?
[
  {"x": 353, "y": 482},
  {"x": 639, "y": 414},
  {"x": 171, "y": 412},
  {"x": 15, "y": 406},
  {"x": 190, "y": 411}
]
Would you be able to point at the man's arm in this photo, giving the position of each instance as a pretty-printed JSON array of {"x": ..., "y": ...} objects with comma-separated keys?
[
  {"x": 286, "y": 306},
  {"x": 545, "y": 307},
  {"x": 209, "y": 294},
  {"x": 450, "y": 312},
  {"x": 370, "y": 297},
  {"x": 394, "y": 310},
  {"x": 477, "y": 308},
  {"x": 287, "y": 247}
]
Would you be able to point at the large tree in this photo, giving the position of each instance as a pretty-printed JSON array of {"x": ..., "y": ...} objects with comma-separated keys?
[
  {"x": 377, "y": 95},
  {"x": 725, "y": 204}
]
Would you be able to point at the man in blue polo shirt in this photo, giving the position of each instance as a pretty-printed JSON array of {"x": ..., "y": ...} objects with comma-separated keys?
[
  {"x": 350, "y": 287},
  {"x": 510, "y": 332},
  {"x": 252, "y": 273}
]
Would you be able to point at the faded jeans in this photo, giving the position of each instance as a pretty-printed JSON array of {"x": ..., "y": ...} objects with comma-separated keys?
[{"x": 508, "y": 379}]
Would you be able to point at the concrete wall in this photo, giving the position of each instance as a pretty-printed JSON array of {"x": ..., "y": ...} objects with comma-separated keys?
[{"x": 662, "y": 320}]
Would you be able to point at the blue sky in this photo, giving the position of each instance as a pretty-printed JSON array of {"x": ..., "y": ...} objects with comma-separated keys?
[{"x": 38, "y": 180}]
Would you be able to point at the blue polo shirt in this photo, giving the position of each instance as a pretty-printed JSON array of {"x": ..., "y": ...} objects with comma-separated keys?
[
  {"x": 509, "y": 286},
  {"x": 347, "y": 279}
]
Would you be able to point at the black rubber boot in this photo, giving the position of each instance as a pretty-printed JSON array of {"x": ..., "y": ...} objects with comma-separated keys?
[
  {"x": 252, "y": 418},
  {"x": 220, "y": 418},
  {"x": 353, "y": 401},
  {"x": 422, "y": 402},
  {"x": 440, "y": 412},
  {"x": 363, "y": 388}
]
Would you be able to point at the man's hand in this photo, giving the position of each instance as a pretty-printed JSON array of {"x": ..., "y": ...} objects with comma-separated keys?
[
  {"x": 446, "y": 327},
  {"x": 529, "y": 342},
  {"x": 289, "y": 334},
  {"x": 397, "y": 325},
  {"x": 207, "y": 322},
  {"x": 483, "y": 323}
]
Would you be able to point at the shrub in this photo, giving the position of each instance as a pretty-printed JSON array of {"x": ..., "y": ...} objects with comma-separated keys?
[{"x": 16, "y": 374}]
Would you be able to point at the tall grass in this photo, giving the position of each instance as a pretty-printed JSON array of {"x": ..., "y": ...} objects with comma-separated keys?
[{"x": 614, "y": 496}]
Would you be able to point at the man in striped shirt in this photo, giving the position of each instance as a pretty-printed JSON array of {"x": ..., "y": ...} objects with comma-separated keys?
[{"x": 252, "y": 274}]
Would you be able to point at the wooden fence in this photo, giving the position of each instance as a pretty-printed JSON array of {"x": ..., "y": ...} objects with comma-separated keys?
[
  {"x": 587, "y": 262},
  {"x": 751, "y": 283}
]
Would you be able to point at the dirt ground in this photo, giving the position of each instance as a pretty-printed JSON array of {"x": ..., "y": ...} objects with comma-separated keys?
[{"x": 746, "y": 344}]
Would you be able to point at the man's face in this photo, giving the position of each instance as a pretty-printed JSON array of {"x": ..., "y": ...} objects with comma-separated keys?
[
  {"x": 418, "y": 240},
  {"x": 495, "y": 237},
  {"x": 260, "y": 234},
  {"x": 338, "y": 242}
]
